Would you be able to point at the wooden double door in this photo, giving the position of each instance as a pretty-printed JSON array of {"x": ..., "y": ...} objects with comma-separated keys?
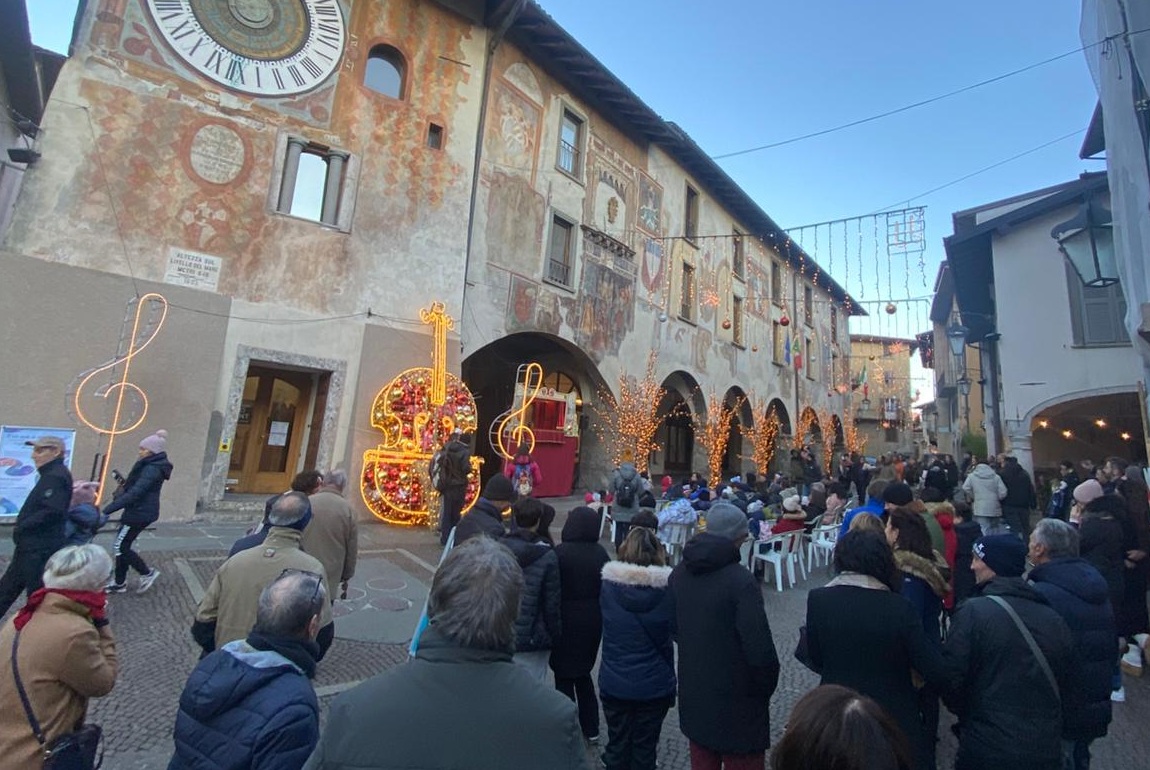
[{"x": 272, "y": 428}]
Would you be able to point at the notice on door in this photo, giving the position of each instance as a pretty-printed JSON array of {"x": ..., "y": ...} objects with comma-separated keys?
[
  {"x": 278, "y": 434},
  {"x": 193, "y": 269}
]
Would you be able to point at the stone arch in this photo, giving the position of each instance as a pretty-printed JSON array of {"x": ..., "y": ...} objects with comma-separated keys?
[
  {"x": 733, "y": 458},
  {"x": 784, "y": 416}
]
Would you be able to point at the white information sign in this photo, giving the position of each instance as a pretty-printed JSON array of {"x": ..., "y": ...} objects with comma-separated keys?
[
  {"x": 17, "y": 471},
  {"x": 193, "y": 269},
  {"x": 278, "y": 434}
]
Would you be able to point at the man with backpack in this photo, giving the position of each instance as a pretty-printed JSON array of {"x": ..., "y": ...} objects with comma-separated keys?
[
  {"x": 626, "y": 486},
  {"x": 449, "y": 470}
]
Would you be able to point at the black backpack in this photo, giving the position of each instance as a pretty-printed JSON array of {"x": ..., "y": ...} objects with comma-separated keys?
[{"x": 625, "y": 496}]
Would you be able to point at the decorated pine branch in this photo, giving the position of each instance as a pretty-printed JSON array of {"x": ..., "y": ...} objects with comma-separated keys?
[
  {"x": 713, "y": 431},
  {"x": 627, "y": 427},
  {"x": 763, "y": 435}
]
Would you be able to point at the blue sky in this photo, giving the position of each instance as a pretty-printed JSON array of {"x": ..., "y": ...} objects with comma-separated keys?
[{"x": 741, "y": 73}]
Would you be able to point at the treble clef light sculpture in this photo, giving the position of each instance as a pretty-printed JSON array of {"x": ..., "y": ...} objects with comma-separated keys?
[
  {"x": 126, "y": 401},
  {"x": 417, "y": 412},
  {"x": 510, "y": 430}
]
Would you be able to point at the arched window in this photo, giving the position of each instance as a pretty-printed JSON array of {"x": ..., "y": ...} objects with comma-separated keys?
[{"x": 385, "y": 71}]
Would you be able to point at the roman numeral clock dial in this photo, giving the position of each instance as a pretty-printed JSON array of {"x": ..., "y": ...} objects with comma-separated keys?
[{"x": 259, "y": 47}]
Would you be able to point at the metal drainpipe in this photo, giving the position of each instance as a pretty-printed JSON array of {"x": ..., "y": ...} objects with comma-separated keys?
[
  {"x": 497, "y": 37},
  {"x": 991, "y": 342}
]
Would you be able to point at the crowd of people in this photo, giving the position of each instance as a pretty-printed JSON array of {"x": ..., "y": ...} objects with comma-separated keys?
[{"x": 944, "y": 594}]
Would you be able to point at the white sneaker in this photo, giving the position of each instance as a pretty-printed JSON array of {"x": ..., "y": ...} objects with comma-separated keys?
[
  {"x": 1118, "y": 696},
  {"x": 147, "y": 580},
  {"x": 1132, "y": 661}
]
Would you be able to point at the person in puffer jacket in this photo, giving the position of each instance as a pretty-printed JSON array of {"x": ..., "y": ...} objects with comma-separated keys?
[
  {"x": 986, "y": 490},
  {"x": 84, "y": 518},
  {"x": 637, "y": 667},
  {"x": 538, "y": 626},
  {"x": 250, "y": 704}
]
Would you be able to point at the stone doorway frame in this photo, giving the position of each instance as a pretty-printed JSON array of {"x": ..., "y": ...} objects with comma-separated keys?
[{"x": 245, "y": 354}]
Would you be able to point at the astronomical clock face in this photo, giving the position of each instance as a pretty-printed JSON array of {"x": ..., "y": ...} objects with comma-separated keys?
[{"x": 260, "y": 47}]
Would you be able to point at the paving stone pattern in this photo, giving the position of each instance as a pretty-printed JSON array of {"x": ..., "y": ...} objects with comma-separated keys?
[{"x": 157, "y": 654}]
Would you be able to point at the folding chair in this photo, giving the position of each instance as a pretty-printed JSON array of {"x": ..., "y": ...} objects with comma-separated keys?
[
  {"x": 674, "y": 537},
  {"x": 779, "y": 550}
]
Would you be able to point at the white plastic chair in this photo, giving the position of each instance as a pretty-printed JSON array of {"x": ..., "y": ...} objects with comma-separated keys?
[
  {"x": 788, "y": 552},
  {"x": 674, "y": 537},
  {"x": 821, "y": 545}
]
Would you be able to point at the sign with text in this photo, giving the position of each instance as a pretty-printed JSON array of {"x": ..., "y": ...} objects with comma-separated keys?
[
  {"x": 193, "y": 269},
  {"x": 17, "y": 471}
]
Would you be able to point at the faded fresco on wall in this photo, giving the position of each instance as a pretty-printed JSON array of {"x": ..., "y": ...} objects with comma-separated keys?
[
  {"x": 612, "y": 190},
  {"x": 606, "y": 308},
  {"x": 511, "y": 146},
  {"x": 650, "y": 215},
  {"x": 654, "y": 271},
  {"x": 757, "y": 301},
  {"x": 531, "y": 307}
]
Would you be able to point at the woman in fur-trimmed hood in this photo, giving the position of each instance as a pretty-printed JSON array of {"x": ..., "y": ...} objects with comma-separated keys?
[
  {"x": 925, "y": 575},
  {"x": 637, "y": 666}
]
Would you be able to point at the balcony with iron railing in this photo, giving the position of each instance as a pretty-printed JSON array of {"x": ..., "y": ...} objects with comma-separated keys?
[{"x": 569, "y": 158}]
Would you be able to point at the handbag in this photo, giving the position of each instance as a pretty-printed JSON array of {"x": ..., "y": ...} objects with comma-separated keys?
[{"x": 77, "y": 750}]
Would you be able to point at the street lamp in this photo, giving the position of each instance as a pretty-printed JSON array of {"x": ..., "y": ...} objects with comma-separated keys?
[
  {"x": 1087, "y": 240},
  {"x": 964, "y": 385},
  {"x": 956, "y": 337}
]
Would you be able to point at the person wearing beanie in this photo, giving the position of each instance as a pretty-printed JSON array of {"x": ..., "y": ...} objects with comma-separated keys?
[
  {"x": 486, "y": 516},
  {"x": 1006, "y": 695},
  {"x": 1084, "y": 494},
  {"x": 728, "y": 667},
  {"x": 140, "y": 502},
  {"x": 792, "y": 516},
  {"x": 84, "y": 518}
]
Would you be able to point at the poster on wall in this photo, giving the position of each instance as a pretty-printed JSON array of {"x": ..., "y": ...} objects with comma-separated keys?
[{"x": 17, "y": 471}]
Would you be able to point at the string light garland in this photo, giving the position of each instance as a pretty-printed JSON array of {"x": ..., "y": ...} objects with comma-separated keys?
[
  {"x": 827, "y": 434},
  {"x": 713, "y": 430},
  {"x": 808, "y": 420},
  {"x": 763, "y": 435},
  {"x": 417, "y": 412},
  {"x": 853, "y": 438},
  {"x": 627, "y": 428}
]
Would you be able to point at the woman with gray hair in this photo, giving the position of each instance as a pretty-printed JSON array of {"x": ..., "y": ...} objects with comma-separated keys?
[{"x": 64, "y": 651}]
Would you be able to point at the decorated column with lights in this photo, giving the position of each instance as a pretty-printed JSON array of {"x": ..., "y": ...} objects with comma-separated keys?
[
  {"x": 627, "y": 427},
  {"x": 713, "y": 431}
]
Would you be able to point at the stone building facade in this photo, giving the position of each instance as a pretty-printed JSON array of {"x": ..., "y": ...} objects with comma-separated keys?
[{"x": 299, "y": 187}]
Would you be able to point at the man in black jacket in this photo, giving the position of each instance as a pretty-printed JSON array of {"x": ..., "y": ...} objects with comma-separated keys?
[
  {"x": 538, "y": 626},
  {"x": 450, "y": 469},
  {"x": 486, "y": 516},
  {"x": 728, "y": 667},
  {"x": 1020, "y": 499},
  {"x": 39, "y": 530},
  {"x": 1006, "y": 696},
  {"x": 1077, "y": 592}
]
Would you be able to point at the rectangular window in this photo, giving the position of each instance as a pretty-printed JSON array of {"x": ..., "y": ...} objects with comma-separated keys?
[
  {"x": 570, "y": 143},
  {"x": 311, "y": 185},
  {"x": 1097, "y": 316},
  {"x": 560, "y": 251},
  {"x": 809, "y": 360},
  {"x": 776, "y": 283},
  {"x": 834, "y": 326},
  {"x": 738, "y": 260},
  {"x": 737, "y": 320},
  {"x": 687, "y": 293},
  {"x": 691, "y": 214},
  {"x": 777, "y": 343},
  {"x": 891, "y": 435},
  {"x": 434, "y": 136},
  {"x": 808, "y": 306}
]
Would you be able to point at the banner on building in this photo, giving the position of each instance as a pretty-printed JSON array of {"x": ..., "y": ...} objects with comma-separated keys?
[{"x": 17, "y": 471}]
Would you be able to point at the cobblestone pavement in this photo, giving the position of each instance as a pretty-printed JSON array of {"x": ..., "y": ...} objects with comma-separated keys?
[{"x": 156, "y": 651}]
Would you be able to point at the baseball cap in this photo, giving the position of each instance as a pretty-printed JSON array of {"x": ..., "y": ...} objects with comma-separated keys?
[{"x": 55, "y": 442}]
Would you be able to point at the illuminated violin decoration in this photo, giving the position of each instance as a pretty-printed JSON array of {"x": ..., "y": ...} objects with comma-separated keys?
[
  {"x": 126, "y": 400},
  {"x": 505, "y": 441},
  {"x": 416, "y": 412}
]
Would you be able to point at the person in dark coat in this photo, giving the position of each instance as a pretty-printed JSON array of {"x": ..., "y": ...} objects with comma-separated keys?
[
  {"x": 637, "y": 669},
  {"x": 1078, "y": 593},
  {"x": 966, "y": 532},
  {"x": 581, "y": 561},
  {"x": 39, "y": 530},
  {"x": 307, "y": 482},
  {"x": 885, "y": 641},
  {"x": 1020, "y": 499},
  {"x": 728, "y": 666},
  {"x": 140, "y": 502},
  {"x": 539, "y": 625},
  {"x": 461, "y": 703},
  {"x": 451, "y": 468},
  {"x": 84, "y": 518},
  {"x": 1009, "y": 712},
  {"x": 486, "y": 516},
  {"x": 1102, "y": 540},
  {"x": 1132, "y": 616},
  {"x": 250, "y": 704}
]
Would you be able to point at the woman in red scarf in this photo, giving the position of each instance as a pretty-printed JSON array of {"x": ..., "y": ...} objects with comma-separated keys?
[{"x": 65, "y": 656}]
